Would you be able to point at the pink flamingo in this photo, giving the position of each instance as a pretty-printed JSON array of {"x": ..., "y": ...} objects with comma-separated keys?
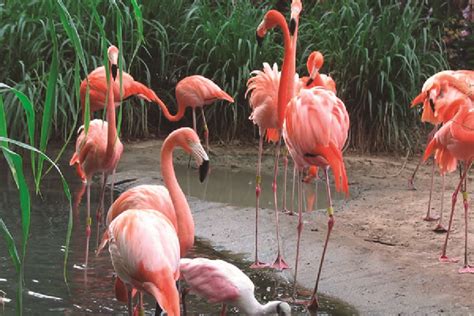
[
  {"x": 144, "y": 249},
  {"x": 455, "y": 141},
  {"x": 221, "y": 282},
  {"x": 195, "y": 92},
  {"x": 438, "y": 96},
  {"x": 315, "y": 131},
  {"x": 263, "y": 89},
  {"x": 169, "y": 199},
  {"x": 100, "y": 149}
]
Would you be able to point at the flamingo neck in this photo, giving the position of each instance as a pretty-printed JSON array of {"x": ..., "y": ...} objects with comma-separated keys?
[
  {"x": 286, "y": 87},
  {"x": 184, "y": 217},
  {"x": 254, "y": 308},
  {"x": 111, "y": 128},
  {"x": 170, "y": 117}
]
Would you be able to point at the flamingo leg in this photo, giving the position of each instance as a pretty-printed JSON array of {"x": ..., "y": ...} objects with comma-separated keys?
[
  {"x": 443, "y": 257},
  {"x": 183, "y": 300},
  {"x": 299, "y": 229},
  {"x": 258, "y": 264},
  {"x": 428, "y": 216},
  {"x": 101, "y": 207},
  {"x": 440, "y": 227},
  {"x": 206, "y": 130},
  {"x": 285, "y": 174},
  {"x": 314, "y": 304},
  {"x": 223, "y": 310},
  {"x": 466, "y": 268},
  {"x": 195, "y": 129},
  {"x": 141, "y": 310},
  {"x": 279, "y": 263},
  {"x": 293, "y": 191},
  {"x": 88, "y": 221},
  {"x": 411, "y": 181},
  {"x": 130, "y": 302},
  {"x": 112, "y": 186}
]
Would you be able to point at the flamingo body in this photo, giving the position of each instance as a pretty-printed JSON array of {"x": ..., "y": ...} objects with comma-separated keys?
[
  {"x": 144, "y": 249},
  {"x": 221, "y": 282}
]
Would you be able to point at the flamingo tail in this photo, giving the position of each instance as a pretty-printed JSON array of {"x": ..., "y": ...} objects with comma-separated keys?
[
  {"x": 272, "y": 135},
  {"x": 165, "y": 292},
  {"x": 334, "y": 156}
]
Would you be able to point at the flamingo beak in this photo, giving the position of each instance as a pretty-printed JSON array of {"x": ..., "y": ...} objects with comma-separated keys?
[
  {"x": 114, "y": 71},
  {"x": 292, "y": 26},
  {"x": 309, "y": 82},
  {"x": 259, "y": 39},
  {"x": 201, "y": 158}
]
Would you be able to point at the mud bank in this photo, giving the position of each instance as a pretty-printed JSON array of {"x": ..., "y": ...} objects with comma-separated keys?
[{"x": 383, "y": 259}]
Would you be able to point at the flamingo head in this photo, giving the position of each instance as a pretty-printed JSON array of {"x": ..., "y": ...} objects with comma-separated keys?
[
  {"x": 314, "y": 63},
  {"x": 271, "y": 19},
  {"x": 296, "y": 8},
  {"x": 188, "y": 139},
  {"x": 112, "y": 54},
  {"x": 283, "y": 309}
]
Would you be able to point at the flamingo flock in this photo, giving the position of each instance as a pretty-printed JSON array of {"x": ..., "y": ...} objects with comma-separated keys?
[{"x": 150, "y": 228}]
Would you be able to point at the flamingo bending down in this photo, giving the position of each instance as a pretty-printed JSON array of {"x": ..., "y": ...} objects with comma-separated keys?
[
  {"x": 100, "y": 149},
  {"x": 169, "y": 199},
  {"x": 221, "y": 282},
  {"x": 195, "y": 92},
  {"x": 144, "y": 249},
  {"x": 455, "y": 141},
  {"x": 315, "y": 131},
  {"x": 440, "y": 98}
]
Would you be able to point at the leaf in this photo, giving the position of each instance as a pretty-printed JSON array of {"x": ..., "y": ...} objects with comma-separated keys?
[{"x": 10, "y": 245}]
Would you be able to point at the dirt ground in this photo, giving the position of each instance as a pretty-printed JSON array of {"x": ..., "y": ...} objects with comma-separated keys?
[{"x": 383, "y": 258}]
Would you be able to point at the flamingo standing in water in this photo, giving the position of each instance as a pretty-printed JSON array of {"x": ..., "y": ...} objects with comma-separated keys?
[
  {"x": 144, "y": 249},
  {"x": 438, "y": 96},
  {"x": 221, "y": 282},
  {"x": 100, "y": 149},
  {"x": 169, "y": 199},
  {"x": 263, "y": 89},
  {"x": 315, "y": 131},
  {"x": 195, "y": 92},
  {"x": 455, "y": 141}
]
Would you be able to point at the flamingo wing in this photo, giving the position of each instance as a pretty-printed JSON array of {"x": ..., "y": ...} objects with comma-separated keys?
[{"x": 196, "y": 91}]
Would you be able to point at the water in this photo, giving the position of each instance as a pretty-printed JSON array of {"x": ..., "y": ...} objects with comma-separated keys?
[
  {"x": 90, "y": 291},
  {"x": 238, "y": 188}
]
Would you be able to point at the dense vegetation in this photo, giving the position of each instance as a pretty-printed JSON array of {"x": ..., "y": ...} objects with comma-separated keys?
[{"x": 379, "y": 53}]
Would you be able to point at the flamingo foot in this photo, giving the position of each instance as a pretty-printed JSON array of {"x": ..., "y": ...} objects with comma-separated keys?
[
  {"x": 287, "y": 212},
  {"x": 446, "y": 259},
  {"x": 466, "y": 269},
  {"x": 259, "y": 265},
  {"x": 411, "y": 185},
  {"x": 440, "y": 229},
  {"x": 313, "y": 305},
  {"x": 280, "y": 264},
  {"x": 430, "y": 218}
]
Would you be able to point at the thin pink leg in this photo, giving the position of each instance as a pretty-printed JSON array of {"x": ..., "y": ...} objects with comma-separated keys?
[
  {"x": 88, "y": 221},
  {"x": 285, "y": 174},
  {"x": 299, "y": 229},
  {"x": 130, "y": 302},
  {"x": 206, "y": 130},
  {"x": 293, "y": 191},
  {"x": 443, "y": 257},
  {"x": 313, "y": 303},
  {"x": 465, "y": 196},
  {"x": 195, "y": 130},
  {"x": 440, "y": 227},
  {"x": 258, "y": 180},
  {"x": 223, "y": 310},
  {"x": 428, "y": 216},
  {"x": 279, "y": 263}
]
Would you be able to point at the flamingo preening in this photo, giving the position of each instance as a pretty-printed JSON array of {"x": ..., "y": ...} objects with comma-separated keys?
[
  {"x": 221, "y": 282},
  {"x": 99, "y": 150}
]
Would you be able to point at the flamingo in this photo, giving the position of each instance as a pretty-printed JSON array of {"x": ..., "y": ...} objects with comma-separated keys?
[
  {"x": 455, "y": 141},
  {"x": 195, "y": 92},
  {"x": 144, "y": 249},
  {"x": 169, "y": 200},
  {"x": 263, "y": 90},
  {"x": 221, "y": 282},
  {"x": 438, "y": 96},
  {"x": 100, "y": 149},
  {"x": 315, "y": 131}
]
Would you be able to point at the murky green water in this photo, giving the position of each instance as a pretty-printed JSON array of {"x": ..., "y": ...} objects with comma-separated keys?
[{"x": 90, "y": 291}]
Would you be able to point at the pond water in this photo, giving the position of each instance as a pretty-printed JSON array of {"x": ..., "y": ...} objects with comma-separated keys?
[{"x": 90, "y": 291}]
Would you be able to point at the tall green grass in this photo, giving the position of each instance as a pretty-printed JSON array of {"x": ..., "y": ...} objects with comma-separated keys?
[{"x": 379, "y": 52}]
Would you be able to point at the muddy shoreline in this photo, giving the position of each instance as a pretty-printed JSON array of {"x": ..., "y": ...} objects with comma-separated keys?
[{"x": 382, "y": 257}]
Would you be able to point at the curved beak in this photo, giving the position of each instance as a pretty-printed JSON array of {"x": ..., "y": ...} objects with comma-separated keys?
[
  {"x": 114, "y": 71},
  {"x": 202, "y": 159},
  {"x": 292, "y": 26}
]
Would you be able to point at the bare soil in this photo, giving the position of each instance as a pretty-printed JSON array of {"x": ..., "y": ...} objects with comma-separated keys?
[{"x": 383, "y": 258}]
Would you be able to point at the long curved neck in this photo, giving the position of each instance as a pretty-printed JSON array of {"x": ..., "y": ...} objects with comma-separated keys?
[
  {"x": 111, "y": 128},
  {"x": 170, "y": 117},
  {"x": 183, "y": 213},
  {"x": 286, "y": 88}
]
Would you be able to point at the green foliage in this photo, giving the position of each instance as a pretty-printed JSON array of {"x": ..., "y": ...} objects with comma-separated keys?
[{"x": 379, "y": 53}]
